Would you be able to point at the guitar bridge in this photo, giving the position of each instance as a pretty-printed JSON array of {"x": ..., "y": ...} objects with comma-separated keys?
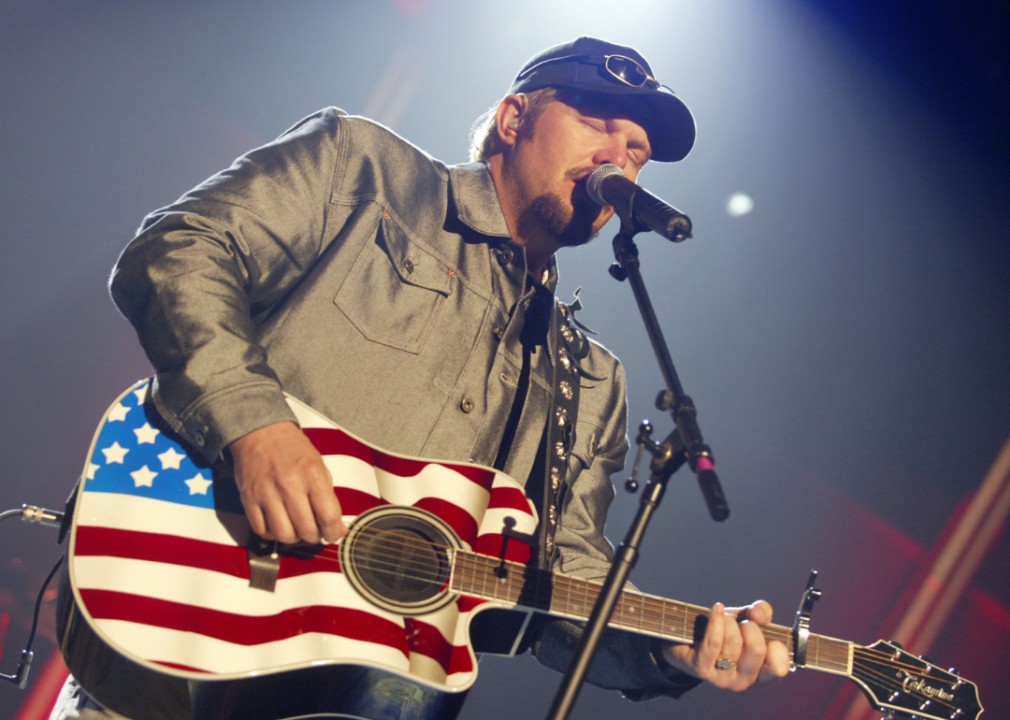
[{"x": 264, "y": 564}]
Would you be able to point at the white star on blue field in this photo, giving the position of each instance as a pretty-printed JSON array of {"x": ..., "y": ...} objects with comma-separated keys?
[{"x": 134, "y": 458}]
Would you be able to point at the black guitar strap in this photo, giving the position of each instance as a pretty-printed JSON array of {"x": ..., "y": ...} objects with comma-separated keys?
[
  {"x": 507, "y": 633},
  {"x": 568, "y": 346},
  {"x": 550, "y": 322}
]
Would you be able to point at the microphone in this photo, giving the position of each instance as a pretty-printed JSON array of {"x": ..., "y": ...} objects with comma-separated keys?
[{"x": 608, "y": 185}]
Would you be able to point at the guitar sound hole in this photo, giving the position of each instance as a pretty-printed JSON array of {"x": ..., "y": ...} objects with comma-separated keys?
[{"x": 401, "y": 560}]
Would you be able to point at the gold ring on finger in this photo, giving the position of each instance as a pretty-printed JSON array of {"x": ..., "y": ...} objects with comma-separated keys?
[{"x": 724, "y": 664}]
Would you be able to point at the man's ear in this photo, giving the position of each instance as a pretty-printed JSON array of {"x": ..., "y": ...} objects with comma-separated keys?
[{"x": 509, "y": 117}]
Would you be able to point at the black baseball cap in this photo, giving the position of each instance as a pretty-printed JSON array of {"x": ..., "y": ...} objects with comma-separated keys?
[{"x": 615, "y": 76}]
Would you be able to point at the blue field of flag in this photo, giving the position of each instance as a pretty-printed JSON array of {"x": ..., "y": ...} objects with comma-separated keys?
[{"x": 134, "y": 456}]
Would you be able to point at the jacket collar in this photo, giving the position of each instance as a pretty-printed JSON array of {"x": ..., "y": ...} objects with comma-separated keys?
[
  {"x": 476, "y": 199},
  {"x": 477, "y": 207}
]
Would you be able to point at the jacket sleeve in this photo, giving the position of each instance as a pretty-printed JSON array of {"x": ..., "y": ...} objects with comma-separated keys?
[
  {"x": 624, "y": 661},
  {"x": 202, "y": 270}
]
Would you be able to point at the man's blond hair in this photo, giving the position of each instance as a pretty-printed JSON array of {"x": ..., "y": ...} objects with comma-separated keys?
[{"x": 484, "y": 140}]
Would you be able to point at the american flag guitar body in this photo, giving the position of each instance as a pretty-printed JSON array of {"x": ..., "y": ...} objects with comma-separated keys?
[{"x": 170, "y": 610}]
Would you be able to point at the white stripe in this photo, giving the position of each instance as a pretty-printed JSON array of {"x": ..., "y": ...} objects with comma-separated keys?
[
  {"x": 140, "y": 514},
  {"x": 350, "y": 472},
  {"x": 217, "y": 591},
  {"x": 223, "y": 658},
  {"x": 427, "y": 668},
  {"x": 461, "y": 680},
  {"x": 435, "y": 481},
  {"x": 219, "y": 656}
]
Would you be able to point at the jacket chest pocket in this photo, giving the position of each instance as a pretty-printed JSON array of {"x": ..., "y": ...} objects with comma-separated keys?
[{"x": 395, "y": 290}]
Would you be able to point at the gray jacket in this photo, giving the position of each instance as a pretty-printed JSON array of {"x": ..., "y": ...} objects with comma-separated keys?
[{"x": 380, "y": 287}]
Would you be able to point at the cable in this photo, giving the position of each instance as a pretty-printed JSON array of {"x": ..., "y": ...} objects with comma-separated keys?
[
  {"x": 20, "y": 677},
  {"x": 41, "y": 516}
]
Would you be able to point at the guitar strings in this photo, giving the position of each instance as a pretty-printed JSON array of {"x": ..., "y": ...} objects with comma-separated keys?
[
  {"x": 869, "y": 674},
  {"x": 396, "y": 552},
  {"x": 889, "y": 684},
  {"x": 653, "y": 611},
  {"x": 587, "y": 589}
]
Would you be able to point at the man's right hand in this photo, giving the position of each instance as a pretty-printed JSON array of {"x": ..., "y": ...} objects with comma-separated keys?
[{"x": 285, "y": 487}]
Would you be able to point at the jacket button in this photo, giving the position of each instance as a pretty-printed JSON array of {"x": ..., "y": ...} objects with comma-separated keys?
[
  {"x": 198, "y": 437},
  {"x": 408, "y": 265},
  {"x": 467, "y": 405},
  {"x": 499, "y": 331},
  {"x": 505, "y": 256}
]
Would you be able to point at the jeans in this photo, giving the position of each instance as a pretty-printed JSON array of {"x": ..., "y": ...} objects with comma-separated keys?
[{"x": 373, "y": 695}]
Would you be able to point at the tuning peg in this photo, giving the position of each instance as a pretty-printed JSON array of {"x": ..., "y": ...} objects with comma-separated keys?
[{"x": 896, "y": 644}]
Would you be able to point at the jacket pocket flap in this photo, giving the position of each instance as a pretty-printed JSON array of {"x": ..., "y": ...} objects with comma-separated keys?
[{"x": 414, "y": 264}]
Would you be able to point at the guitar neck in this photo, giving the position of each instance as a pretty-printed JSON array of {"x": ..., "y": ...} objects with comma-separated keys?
[{"x": 570, "y": 597}]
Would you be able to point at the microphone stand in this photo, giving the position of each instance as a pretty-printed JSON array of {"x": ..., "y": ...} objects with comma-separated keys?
[{"x": 683, "y": 445}]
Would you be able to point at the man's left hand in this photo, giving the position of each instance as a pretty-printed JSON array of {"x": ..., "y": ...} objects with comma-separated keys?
[{"x": 733, "y": 653}]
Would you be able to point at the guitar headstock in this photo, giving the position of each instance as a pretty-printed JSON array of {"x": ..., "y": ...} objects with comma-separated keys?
[{"x": 897, "y": 681}]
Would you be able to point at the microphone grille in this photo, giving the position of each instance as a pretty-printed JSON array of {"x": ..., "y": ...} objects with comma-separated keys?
[{"x": 596, "y": 178}]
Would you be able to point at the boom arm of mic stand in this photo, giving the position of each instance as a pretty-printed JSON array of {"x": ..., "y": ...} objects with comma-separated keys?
[{"x": 673, "y": 399}]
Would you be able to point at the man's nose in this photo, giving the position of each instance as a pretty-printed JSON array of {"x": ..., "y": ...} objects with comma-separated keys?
[{"x": 615, "y": 152}]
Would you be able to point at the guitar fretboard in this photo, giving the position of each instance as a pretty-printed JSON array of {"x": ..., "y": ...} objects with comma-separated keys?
[{"x": 565, "y": 596}]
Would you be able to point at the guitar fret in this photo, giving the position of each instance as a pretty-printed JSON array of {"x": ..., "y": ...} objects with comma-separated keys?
[{"x": 564, "y": 595}]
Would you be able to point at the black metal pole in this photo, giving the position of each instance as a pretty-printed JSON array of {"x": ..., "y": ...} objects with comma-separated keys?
[
  {"x": 684, "y": 445},
  {"x": 610, "y": 593},
  {"x": 681, "y": 407}
]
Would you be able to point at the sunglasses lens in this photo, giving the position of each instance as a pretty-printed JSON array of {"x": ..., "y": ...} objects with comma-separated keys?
[{"x": 627, "y": 70}]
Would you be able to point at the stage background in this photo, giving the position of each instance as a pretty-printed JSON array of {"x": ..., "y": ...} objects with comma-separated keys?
[{"x": 847, "y": 342}]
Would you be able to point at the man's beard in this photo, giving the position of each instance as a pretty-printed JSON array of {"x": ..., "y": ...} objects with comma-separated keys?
[{"x": 549, "y": 213}]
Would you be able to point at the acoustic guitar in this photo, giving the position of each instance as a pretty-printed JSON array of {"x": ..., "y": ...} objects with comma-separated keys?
[{"x": 171, "y": 609}]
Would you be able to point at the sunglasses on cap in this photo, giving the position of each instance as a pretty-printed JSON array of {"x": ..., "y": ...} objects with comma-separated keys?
[{"x": 621, "y": 68}]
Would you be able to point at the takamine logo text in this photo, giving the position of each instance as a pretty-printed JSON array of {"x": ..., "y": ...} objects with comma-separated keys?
[{"x": 914, "y": 683}]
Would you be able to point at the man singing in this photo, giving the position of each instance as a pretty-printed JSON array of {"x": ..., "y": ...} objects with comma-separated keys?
[{"x": 413, "y": 304}]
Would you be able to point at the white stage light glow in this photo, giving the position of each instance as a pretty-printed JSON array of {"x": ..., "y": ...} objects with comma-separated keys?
[{"x": 739, "y": 203}]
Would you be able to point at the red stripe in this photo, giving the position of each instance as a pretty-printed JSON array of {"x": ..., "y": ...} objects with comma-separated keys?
[
  {"x": 355, "y": 502},
  {"x": 323, "y": 560},
  {"x": 331, "y": 441},
  {"x": 155, "y": 547},
  {"x": 231, "y": 560},
  {"x": 460, "y": 660},
  {"x": 244, "y": 629},
  {"x": 490, "y": 544},
  {"x": 466, "y": 603},
  {"x": 177, "y": 666},
  {"x": 509, "y": 497},
  {"x": 457, "y": 518}
]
